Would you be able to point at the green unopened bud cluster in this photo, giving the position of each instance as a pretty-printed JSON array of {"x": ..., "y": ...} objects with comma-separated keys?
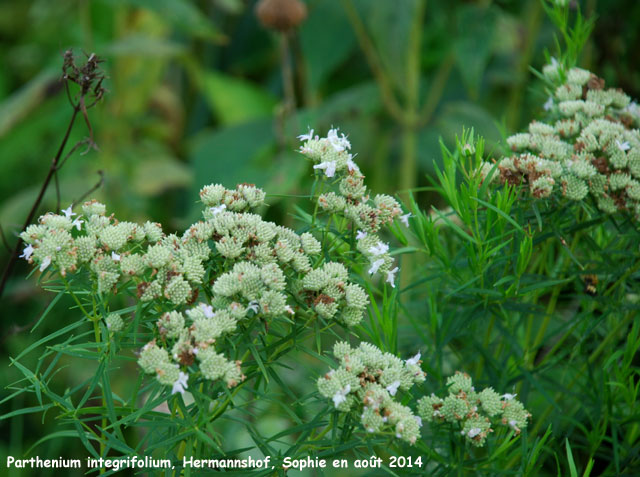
[
  {"x": 589, "y": 144},
  {"x": 350, "y": 198},
  {"x": 367, "y": 383},
  {"x": 183, "y": 341},
  {"x": 475, "y": 414}
]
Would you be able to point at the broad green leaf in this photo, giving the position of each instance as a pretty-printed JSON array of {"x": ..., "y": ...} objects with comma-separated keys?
[
  {"x": 235, "y": 100},
  {"x": 155, "y": 175}
]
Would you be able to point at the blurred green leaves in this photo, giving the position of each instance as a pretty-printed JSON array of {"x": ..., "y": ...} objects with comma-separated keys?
[
  {"x": 474, "y": 42},
  {"x": 234, "y": 100}
]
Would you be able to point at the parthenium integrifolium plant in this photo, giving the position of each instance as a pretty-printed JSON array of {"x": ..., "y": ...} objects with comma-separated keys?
[
  {"x": 230, "y": 271},
  {"x": 587, "y": 145},
  {"x": 369, "y": 384},
  {"x": 208, "y": 298}
]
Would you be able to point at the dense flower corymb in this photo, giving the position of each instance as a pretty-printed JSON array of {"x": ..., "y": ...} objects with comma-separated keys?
[
  {"x": 589, "y": 144},
  {"x": 351, "y": 199},
  {"x": 473, "y": 412},
  {"x": 367, "y": 382}
]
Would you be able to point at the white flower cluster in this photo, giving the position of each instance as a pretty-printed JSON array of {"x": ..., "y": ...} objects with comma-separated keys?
[
  {"x": 473, "y": 411},
  {"x": 590, "y": 144},
  {"x": 249, "y": 267},
  {"x": 352, "y": 201},
  {"x": 367, "y": 382}
]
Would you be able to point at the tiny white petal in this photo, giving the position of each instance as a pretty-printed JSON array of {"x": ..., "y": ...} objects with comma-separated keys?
[
  {"x": 360, "y": 235},
  {"x": 473, "y": 432},
  {"x": 391, "y": 277},
  {"x": 393, "y": 388},
  {"x": 289, "y": 309},
  {"x": 115, "y": 257},
  {"x": 375, "y": 266},
  {"x": 548, "y": 104},
  {"x": 306, "y": 137},
  {"x": 253, "y": 306},
  {"x": 623, "y": 146},
  {"x": 45, "y": 263},
  {"x": 352, "y": 166},
  {"x": 207, "y": 310},
  {"x": 414, "y": 360},
  {"x": 68, "y": 212},
  {"x": 341, "y": 396},
  {"x": 379, "y": 249},
  {"x": 181, "y": 383},
  {"x": 27, "y": 252},
  {"x": 77, "y": 223},
  {"x": 508, "y": 397},
  {"x": 216, "y": 210},
  {"x": 405, "y": 219}
]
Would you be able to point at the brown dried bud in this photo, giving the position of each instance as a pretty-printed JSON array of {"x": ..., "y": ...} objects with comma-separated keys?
[{"x": 281, "y": 15}]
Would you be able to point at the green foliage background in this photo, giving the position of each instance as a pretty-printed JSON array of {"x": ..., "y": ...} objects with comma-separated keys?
[{"x": 195, "y": 96}]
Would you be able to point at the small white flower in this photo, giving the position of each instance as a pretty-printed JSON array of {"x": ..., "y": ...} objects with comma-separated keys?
[
  {"x": 181, "y": 383},
  {"x": 253, "y": 306},
  {"x": 391, "y": 277},
  {"x": 554, "y": 62},
  {"x": 352, "y": 166},
  {"x": 633, "y": 108},
  {"x": 370, "y": 429},
  {"x": 195, "y": 350},
  {"x": 207, "y": 310},
  {"x": 338, "y": 143},
  {"x": 462, "y": 432},
  {"x": 513, "y": 424},
  {"x": 473, "y": 432},
  {"x": 77, "y": 223},
  {"x": 623, "y": 146},
  {"x": 68, "y": 212},
  {"x": 306, "y": 137},
  {"x": 45, "y": 263},
  {"x": 508, "y": 397},
  {"x": 360, "y": 235},
  {"x": 375, "y": 266},
  {"x": 385, "y": 418},
  {"x": 27, "y": 252},
  {"x": 414, "y": 360},
  {"x": 329, "y": 168},
  {"x": 289, "y": 309},
  {"x": 405, "y": 219},
  {"x": 418, "y": 420},
  {"x": 379, "y": 249},
  {"x": 341, "y": 396},
  {"x": 548, "y": 104},
  {"x": 393, "y": 388},
  {"x": 216, "y": 210},
  {"x": 115, "y": 257}
]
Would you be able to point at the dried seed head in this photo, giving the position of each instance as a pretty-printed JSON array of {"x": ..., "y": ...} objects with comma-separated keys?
[{"x": 281, "y": 15}]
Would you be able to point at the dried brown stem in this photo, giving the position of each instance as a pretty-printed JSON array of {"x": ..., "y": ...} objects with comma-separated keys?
[{"x": 89, "y": 78}]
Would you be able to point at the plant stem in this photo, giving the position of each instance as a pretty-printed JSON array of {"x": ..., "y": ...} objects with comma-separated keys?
[{"x": 34, "y": 208}]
